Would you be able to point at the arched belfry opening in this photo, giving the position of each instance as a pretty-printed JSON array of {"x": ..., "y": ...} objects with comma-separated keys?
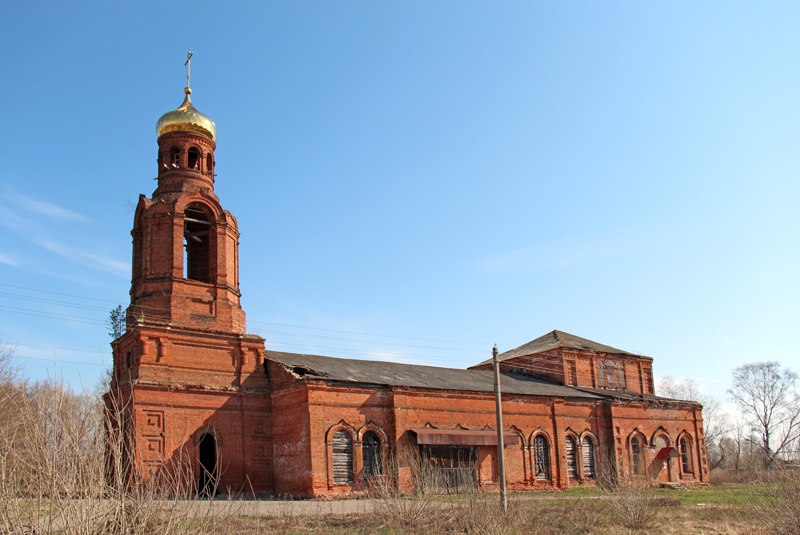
[
  {"x": 197, "y": 243},
  {"x": 193, "y": 158},
  {"x": 209, "y": 476}
]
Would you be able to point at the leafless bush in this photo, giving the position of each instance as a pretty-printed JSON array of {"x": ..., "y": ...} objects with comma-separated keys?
[
  {"x": 63, "y": 469},
  {"x": 634, "y": 503},
  {"x": 481, "y": 514},
  {"x": 406, "y": 507},
  {"x": 776, "y": 501},
  {"x": 586, "y": 518}
]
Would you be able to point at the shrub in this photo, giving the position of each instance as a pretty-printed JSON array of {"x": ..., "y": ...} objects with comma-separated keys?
[{"x": 634, "y": 503}]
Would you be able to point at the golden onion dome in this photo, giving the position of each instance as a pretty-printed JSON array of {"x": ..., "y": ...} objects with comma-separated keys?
[{"x": 186, "y": 119}]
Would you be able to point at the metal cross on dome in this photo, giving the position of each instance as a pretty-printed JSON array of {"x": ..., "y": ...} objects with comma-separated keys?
[{"x": 188, "y": 67}]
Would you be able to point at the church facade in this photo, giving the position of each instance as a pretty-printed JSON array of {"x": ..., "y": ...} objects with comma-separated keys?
[{"x": 194, "y": 393}]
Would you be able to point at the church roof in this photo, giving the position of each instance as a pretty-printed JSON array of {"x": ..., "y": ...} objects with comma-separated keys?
[
  {"x": 416, "y": 376},
  {"x": 558, "y": 339}
]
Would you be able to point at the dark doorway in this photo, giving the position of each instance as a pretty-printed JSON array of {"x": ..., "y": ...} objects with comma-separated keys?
[
  {"x": 371, "y": 448},
  {"x": 207, "y": 484}
]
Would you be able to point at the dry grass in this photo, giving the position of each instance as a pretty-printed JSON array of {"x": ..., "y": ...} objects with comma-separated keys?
[{"x": 54, "y": 478}]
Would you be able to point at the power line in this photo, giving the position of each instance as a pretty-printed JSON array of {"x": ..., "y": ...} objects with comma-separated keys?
[
  {"x": 56, "y": 293},
  {"x": 370, "y": 334}
]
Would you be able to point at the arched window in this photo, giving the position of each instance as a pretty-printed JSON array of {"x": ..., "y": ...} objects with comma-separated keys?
[
  {"x": 196, "y": 239},
  {"x": 541, "y": 456},
  {"x": 572, "y": 458},
  {"x": 175, "y": 156},
  {"x": 637, "y": 460},
  {"x": 209, "y": 164},
  {"x": 371, "y": 453},
  {"x": 684, "y": 447},
  {"x": 587, "y": 454},
  {"x": 342, "y": 445},
  {"x": 193, "y": 158}
]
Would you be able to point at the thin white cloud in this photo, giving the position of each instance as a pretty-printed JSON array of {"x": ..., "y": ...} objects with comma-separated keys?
[
  {"x": 8, "y": 260},
  {"x": 44, "y": 208},
  {"x": 103, "y": 263}
]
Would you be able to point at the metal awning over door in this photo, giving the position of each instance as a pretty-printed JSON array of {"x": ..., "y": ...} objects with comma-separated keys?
[{"x": 462, "y": 437}]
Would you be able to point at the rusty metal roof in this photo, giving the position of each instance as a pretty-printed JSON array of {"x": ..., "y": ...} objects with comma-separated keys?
[
  {"x": 462, "y": 437},
  {"x": 416, "y": 376},
  {"x": 558, "y": 339}
]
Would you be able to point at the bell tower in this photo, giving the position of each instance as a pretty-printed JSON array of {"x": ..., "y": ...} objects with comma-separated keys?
[
  {"x": 185, "y": 245},
  {"x": 187, "y": 379}
]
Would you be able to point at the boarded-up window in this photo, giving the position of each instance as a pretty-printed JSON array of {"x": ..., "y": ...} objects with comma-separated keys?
[
  {"x": 587, "y": 453},
  {"x": 541, "y": 454},
  {"x": 621, "y": 382},
  {"x": 572, "y": 458},
  {"x": 572, "y": 373},
  {"x": 342, "y": 444},
  {"x": 611, "y": 374},
  {"x": 371, "y": 448}
]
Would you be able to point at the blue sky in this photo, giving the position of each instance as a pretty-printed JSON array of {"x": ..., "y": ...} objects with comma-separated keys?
[{"x": 419, "y": 181}]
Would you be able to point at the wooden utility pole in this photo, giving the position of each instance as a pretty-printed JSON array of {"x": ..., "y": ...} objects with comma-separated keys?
[{"x": 501, "y": 461}]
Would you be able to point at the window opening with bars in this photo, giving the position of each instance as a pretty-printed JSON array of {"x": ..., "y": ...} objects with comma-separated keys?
[
  {"x": 686, "y": 456},
  {"x": 452, "y": 469},
  {"x": 541, "y": 456},
  {"x": 371, "y": 451},
  {"x": 636, "y": 457}
]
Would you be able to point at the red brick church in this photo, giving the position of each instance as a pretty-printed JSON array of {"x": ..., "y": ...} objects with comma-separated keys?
[{"x": 200, "y": 395}]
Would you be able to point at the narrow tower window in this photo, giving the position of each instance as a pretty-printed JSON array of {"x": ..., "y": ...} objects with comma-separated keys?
[
  {"x": 175, "y": 156},
  {"x": 196, "y": 237},
  {"x": 193, "y": 158},
  {"x": 209, "y": 164}
]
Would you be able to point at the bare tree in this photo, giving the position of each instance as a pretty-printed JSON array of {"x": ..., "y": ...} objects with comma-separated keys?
[
  {"x": 768, "y": 397},
  {"x": 8, "y": 371},
  {"x": 716, "y": 422}
]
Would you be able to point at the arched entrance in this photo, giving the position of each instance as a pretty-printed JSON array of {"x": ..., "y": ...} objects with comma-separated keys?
[
  {"x": 661, "y": 464},
  {"x": 207, "y": 483}
]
